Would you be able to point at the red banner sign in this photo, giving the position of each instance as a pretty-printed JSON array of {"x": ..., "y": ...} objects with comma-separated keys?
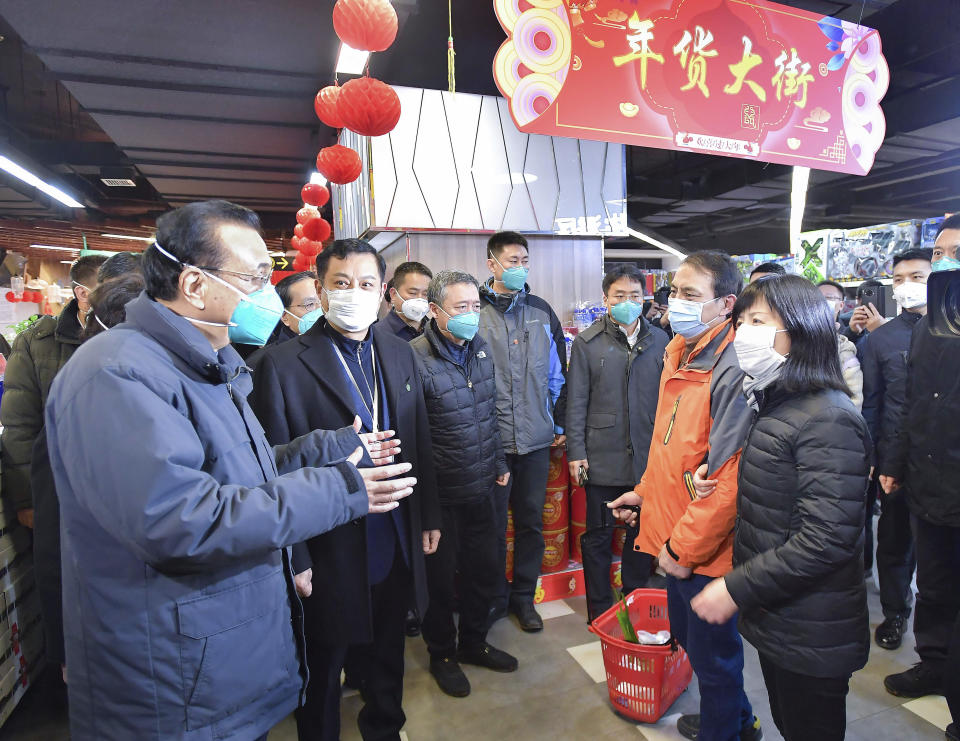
[{"x": 740, "y": 78}]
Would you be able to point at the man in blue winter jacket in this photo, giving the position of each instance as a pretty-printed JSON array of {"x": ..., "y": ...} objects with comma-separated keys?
[{"x": 180, "y": 613}]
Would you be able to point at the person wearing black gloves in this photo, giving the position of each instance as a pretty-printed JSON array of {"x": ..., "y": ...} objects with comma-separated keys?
[
  {"x": 797, "y": 579},
  {"x": 612, "y": 389}
]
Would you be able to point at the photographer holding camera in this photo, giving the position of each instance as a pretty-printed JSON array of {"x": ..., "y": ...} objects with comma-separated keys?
[{"x": 925, "y": 459}]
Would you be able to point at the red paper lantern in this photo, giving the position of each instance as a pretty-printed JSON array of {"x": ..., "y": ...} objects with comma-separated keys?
[
  {"x": 295, "y": 242},
  {"x": 338, "y": 164},
  {"x": 11, "y": 297},
  {"x": 310, "y": 248},
  {"x": 365, "y": 25},
  {"x": 305, "y": 214},
  {"x": 315, "y": 194},
  {"x": 325, "y": 106},
  {"x": 302, "y": 262},
  {"x": 369, "y": 107},
  {"x": 316, "y": 230},
  {"x": 298, "y": 230}
]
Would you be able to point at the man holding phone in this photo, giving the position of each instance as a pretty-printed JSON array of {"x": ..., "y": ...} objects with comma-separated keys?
[
  {"x": 870, "y": 313},
  {"x": 612, "y": 393}
]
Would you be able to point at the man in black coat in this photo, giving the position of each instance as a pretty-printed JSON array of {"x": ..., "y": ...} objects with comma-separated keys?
[
  {"x": 925, "y": 459},
  {"x": 456, "y": 370},
  {"x": 362, "y": 572},
  {"x": 612, "y": 389},
  {"x": 883, "y": 358}
]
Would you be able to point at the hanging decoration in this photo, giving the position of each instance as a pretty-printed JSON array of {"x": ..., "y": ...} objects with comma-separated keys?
[
  {"x": 304, "y": 215},
  {"x": 365, "y": 25},
  {"x": 451, "y": 54},
  {"x": 316, "y": 230},
  {"x": 301, "y": 262},
  {"x": 314, "y": 194},
  {"x": 325, "y": 106},
  {"x": 369, "y": 107},
  {"x": 338, "y": 164},
  {"x": 310, "y": 248}
]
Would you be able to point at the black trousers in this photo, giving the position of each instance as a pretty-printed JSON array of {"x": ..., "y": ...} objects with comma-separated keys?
[
  {"x": 526, "y": 494},
  {"x": 896, "y": 559},
  {"x": 938, "y": 590},
  {"x": 468, "y": 546},
  {"x": 378, "y": 667},
  {"x": 596, "y": 545},
  {"x": 806, "y": 708}
]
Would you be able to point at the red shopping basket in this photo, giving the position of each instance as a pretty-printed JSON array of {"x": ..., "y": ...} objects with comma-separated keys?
[{"x": 643, "y": 681}]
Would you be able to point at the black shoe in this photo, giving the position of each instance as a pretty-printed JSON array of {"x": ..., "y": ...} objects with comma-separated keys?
[
  {"x": 889, "y": 633},
  {"x": 953, "y": 732},
  {"x": 412, "y": 627},
  {"x": 450, "y": 677},
  {"x": 918, "y": 681},
  {"x": 530, "y": 620},
  {"x": 488, "y": 657},
  {"x": 688, "y": 726}
]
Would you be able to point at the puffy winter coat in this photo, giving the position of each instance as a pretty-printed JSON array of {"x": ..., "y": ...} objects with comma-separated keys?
[
  {"x": 798, "y": 546},
  {"x": 39, "y": 352},
  {"x": 180, "y": 616},
  {"x": 850, "y": 366},
  {"x": 612, "y": 400},
  {"x": 461, "y": 399},
  {"x": 526, "y": 340}
]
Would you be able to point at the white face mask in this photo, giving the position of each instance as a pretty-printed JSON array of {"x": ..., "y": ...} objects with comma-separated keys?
[
  {"x": 754, "y": 346},
  {"x": 352, "y": 309},
  {"x": 911, "y": 295},
  {"x": 415, "y": 309}
]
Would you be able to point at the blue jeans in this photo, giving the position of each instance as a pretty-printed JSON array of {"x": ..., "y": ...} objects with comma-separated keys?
[{"x": 716, "y": 655}]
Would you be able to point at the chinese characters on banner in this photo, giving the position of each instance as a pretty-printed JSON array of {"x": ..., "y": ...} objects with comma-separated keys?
[{"x": 741, "y": 78}]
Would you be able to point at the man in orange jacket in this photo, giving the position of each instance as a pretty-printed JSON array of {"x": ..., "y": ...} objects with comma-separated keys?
[{"x": 702, "y": 418}]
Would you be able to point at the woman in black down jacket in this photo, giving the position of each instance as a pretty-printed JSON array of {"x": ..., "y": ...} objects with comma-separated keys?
[{"x": 798, "y": 551}]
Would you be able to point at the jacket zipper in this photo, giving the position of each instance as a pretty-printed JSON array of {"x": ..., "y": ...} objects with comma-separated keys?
[{"x": 673, "y": 419}]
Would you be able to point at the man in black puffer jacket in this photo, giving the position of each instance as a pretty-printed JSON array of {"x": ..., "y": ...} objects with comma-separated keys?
[{"x": 456, "y": 369}]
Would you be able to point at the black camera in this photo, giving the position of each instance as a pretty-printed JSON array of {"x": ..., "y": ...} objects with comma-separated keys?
[{"x": 943, "y": 303}]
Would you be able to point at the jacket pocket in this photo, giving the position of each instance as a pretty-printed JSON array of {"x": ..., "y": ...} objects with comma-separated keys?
[
  {"x": 601, "y": 419},
  {"x": 235, "y": 646}
]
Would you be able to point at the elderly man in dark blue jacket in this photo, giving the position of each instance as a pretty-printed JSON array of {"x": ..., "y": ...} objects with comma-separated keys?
[
  {"x": 181, "y": 617},
  {"x": 456, "y": 370},
  {"x": 612, "y": 389}
]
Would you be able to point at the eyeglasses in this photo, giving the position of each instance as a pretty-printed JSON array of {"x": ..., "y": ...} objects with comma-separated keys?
[
  {"x": 309, "y": 305},
  {"x": 255, "y": 280}
]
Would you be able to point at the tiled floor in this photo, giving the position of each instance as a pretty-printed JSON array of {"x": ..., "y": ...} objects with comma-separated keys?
[{"x": 559, "y": 693}]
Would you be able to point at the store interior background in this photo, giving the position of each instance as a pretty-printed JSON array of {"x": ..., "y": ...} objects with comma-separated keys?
[{"x": 188, "y": 101}]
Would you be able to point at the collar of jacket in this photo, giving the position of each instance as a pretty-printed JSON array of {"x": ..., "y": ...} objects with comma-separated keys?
[
  {"x": 188, "y": 343},
  {"x": 438, "y": 343},
  {"x": 68, "y": 329},
  {"x": 910, "y": 317},
  {"x": 613, "y": 329},
  {"x": 503, "y": 302},
  {"x": 706, "y": 353},
  {"x": 347, "y": 345}
]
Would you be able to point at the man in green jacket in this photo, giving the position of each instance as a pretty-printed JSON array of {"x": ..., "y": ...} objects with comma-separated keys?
[{"x": 38, "y": 354}]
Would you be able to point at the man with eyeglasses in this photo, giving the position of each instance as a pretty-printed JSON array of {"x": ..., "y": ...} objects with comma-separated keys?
[{"x": 181, "y": 618}]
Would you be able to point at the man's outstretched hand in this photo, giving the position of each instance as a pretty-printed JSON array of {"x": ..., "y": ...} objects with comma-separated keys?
[
  {"x": 384, "y": 492},
  {"x": 382, "y": 447}
]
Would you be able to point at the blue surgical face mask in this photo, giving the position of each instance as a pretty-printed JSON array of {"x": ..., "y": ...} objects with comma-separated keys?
[
  {"x": 945, "y": 263},
  {"x": 514, "y": 279},
  {"x": 626, "y": 312},
  {"x": 686, "y": 317},
  {"x": 255, "y": 317},
  {"x": 305, "y": 322},
  {"x": 463, "y": 326}
]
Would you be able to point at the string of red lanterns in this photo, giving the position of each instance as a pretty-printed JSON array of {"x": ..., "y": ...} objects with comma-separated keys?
[{"x": 363, "y": 105}]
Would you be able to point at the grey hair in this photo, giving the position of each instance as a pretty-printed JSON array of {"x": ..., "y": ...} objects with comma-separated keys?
[{"x": 437, "y": 290}]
